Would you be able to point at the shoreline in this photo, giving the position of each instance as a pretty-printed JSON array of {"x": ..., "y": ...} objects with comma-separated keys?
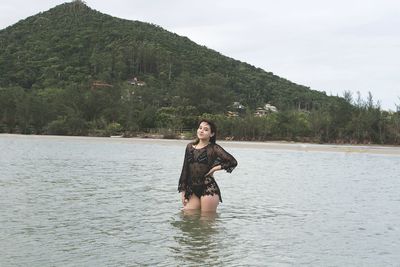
[{"x": 274, "y": 145}]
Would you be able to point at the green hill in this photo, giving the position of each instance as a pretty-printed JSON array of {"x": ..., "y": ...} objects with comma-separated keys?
[
  {"x": 74, "y": 70},
  {"x": 73, "y": 43}
]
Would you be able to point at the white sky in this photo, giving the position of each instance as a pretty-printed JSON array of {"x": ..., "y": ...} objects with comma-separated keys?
[{"x": 330, "y": 46}]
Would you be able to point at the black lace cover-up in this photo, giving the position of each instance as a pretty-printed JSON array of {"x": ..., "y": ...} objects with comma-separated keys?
[{"x": 196, "y": 165}]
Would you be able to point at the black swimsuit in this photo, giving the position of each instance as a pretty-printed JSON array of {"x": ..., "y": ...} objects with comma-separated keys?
[{"x": 196, "y": 165}]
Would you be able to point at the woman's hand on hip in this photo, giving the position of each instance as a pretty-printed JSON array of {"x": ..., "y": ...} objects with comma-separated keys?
[{"x": 214, "y": 169}]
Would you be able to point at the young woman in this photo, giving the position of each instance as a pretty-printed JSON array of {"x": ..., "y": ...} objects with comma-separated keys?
[{"x": 203, "y": 157}]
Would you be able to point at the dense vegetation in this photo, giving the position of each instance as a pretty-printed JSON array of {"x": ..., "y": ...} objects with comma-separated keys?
[{"x": 71, "y": 71}]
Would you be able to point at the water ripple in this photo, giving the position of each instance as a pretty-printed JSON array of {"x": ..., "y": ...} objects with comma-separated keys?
[{"x": 89, "y": 202}]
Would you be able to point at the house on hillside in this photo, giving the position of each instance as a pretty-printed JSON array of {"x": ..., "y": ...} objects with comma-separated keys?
[
  {"x": 263, "y": 111},
  {"x": 238, "y": 106},
  {"x": 232, "y": 114},
  {"x": 236, "y": 110},
  {"x": 100, "y": 84},
  {"x": 136, "y": 82}
]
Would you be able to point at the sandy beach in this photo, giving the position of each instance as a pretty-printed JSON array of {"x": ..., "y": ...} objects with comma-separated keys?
[
  {"x": 293, "y": 146},
  {"x": 368, "y": 149}
]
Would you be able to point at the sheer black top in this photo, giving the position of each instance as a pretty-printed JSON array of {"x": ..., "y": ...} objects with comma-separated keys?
[{"x": 198, "y": 162}]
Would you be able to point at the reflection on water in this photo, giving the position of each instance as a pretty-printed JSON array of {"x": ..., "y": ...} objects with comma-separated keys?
[{"x": 197, "y": 237}]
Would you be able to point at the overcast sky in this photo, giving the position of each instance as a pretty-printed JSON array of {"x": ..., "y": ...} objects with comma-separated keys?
[{"x": 330, "y": 46}]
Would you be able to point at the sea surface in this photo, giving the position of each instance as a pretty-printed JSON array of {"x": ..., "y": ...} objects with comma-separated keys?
[{"x": 82, "y": 201}]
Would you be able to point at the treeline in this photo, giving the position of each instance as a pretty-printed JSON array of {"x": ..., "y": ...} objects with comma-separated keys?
[
  {"x": 129, "y": 110},
  {"x": 363, "y": 122}
]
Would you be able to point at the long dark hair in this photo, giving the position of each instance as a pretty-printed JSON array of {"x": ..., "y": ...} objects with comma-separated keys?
[{"x": 213, "y": 128}]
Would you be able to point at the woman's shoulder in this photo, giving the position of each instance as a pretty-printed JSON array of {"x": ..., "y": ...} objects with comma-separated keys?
[
  {"x": 190, "y": 144},
  {"x": 218, "y": 149},
  {"x": 215, "y": 145}
]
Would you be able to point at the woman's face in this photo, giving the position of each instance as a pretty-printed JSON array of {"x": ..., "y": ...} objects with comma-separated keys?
[{"x": 204, "y": 131}]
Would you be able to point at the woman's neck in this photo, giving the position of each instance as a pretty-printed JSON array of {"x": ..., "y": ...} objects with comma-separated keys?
[{"x": 203, "y": 143}]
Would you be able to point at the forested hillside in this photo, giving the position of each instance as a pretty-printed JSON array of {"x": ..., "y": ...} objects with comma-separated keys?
[{"x": 73, "y": 70}]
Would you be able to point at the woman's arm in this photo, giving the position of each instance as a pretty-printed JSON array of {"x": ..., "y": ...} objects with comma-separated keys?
[
  {"x": 223, "y": 161},
  {"x": 185, "y": 172}
]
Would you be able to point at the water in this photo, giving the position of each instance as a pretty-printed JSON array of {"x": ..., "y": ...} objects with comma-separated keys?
[{"x": 68, "y": 201}]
